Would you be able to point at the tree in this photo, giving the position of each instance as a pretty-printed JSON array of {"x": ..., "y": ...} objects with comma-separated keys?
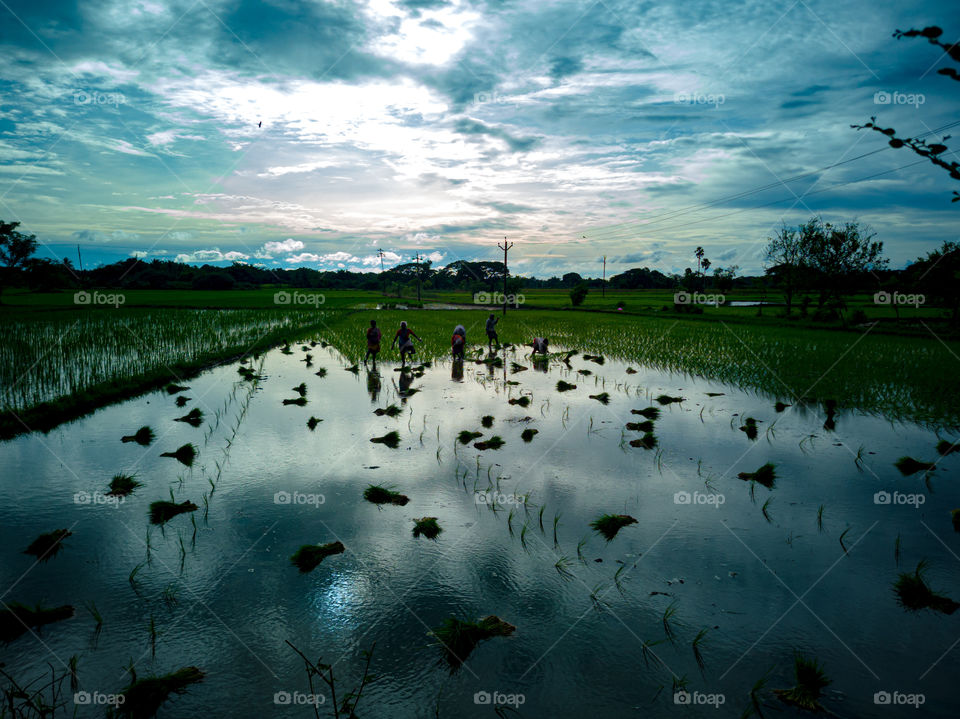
[
  {"x": 15, "y": 249},
  {"x": 784, "y": 252},
  {"x": 932, "y": 151},
  {"x": 578, "y": 294},
  {"x": 723, "y": 278},
  {"x": 838, "y": 256},
  {"x": 938, "y": 275}
]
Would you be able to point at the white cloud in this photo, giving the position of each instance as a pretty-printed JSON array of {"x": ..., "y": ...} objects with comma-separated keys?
[
  {"x": 214, "y": 255},
  {"x": 288, "y": 245},
  {"x": 303, "y": 257}
]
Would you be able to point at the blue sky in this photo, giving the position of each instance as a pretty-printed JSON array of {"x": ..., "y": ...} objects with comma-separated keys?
[{"x": 575, "y": 129}]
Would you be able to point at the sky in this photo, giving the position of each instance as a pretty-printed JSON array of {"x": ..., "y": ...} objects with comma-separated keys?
[{"x": 289, "y": 133}]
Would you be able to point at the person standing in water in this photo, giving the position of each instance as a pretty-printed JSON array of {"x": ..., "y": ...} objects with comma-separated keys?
[
  {"x": 405, "y": 335},
  {"x": 539, "y": 344},
  {"x": 373, "y": 342},
  {"x": 492, "y": 331},
  {"x": 458, "y": 343}
]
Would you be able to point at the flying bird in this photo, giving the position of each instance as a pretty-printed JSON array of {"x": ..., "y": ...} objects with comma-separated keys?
[{"x": 260, "y": 124}]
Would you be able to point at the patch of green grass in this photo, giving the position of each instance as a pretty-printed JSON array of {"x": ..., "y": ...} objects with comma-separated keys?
[
  {"x": 194, "y": 417},
  {"x": 811, "y": 681},
  {"x": 466, "y": 436},
  {"x": 565, "y": 386},
  {"x": 647, "y": 441},
  {"x": 765, "y": 475},
  {"x": 390, "y": 439},
  {"x": 390, "y": 411},
  {"x": 47, "y": 546},
  {"x": 909, "y": 466},
  {"x": 649, "y": 412},
  {"x": 610, "y": 524},
  {"x": 602, "y": 398},
  {"x": 298, "y": 402},
  {"x": 523, "y": 401},
  {"x": 528, "y": 434},
  {"x": 378, "y": 494},
  {"x": 487, "y": 421},
  {"x": 427, "y": 526},
  {"x": 185, "y": 454},
  {"x": 913, "y": 593},
  {"x": 459, "y": 638},
  {"x": 646, "y": 426},
  {"x": 143, "y": 436},
  {"x": 122, "y": 485},
  {"x": 313, "y": 422},
  {"x": 944, "y": 447},
  {"x": 309, "y": 556},
  {"x": 495, "y": 442},
  {"x": 144, "y": 697},
  {"x": 163, "y": 511},
  {"x": 667, "y": 399}
]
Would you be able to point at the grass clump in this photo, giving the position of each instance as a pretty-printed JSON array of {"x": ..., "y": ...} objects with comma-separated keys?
[
  {"x": 584, "y": 372},
  {"x": 301, "y": 389},
  {"x": 765, "y": 475},
  {"x": 144, "y": 697},
  {"x": 595, "y": 358},
  {"x": 390, "y": 411},
  {"x": 780, "y": 406},
  {"x": 391, "y": 439},
  {"x": 122, "y": 485},
  {"x": 459, "y": 638},
  {"x": 487, "y": 420},
  {"x": 427, "y": 526},
  {"x": 378, "y": 494},
  {"x": 909, "y": 465},
  {"x": 309, "y": 556},
  {"x": 565, "y": 386},
  {"x": 750, "y": 427},
  {"x": 466, "y": 436},
  {"x": 913, "y": 592},
  {"x": 495, "y": 442},
  {"x": 646, "y": 426},
  {"x": 528, "y": 434},
  {"x": 313, "y": 422},
  {"x": 667, "y": 399},
  {"x": 175, "y": 388},
  {"x": 944, "y": 447},
  {"x": 163, "y": 511},
  {"x": 609, "y": 524},
  {"x": 46, "y": 546},
  {"x": 16, "y": 618},
  {"x": 647, "y": 441},
  {"x": 194, "y": 417},
  {"x": 182, "y": 400},
  {"x": 185, "y": 454},
  {"x": 523, "y": 401},
  {"x": 811, "y": 681},
  {"x": 298, "y": 401},
  {"x": 602, "y": 398},
  {"x": 649, "y": 412},
  {"x": 142, "y": 436},
  {"x": 514, "y": 367}
]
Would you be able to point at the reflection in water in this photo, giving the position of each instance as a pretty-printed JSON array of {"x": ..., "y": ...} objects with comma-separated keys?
[
  {"x": 373, "y": 384},
  {"x": 456, "y": 370}
]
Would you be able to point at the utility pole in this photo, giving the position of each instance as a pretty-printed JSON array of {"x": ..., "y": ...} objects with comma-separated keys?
[
  {"x": 417, "y": 260},
  {"x": 383, "y": 277},
  {"x": 603, "y": 287},
  {"x": 79, "y": 258},
  {"x": 505, "y": 247}
]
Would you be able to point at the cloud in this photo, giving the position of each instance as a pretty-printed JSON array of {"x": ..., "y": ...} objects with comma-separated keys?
[
  {"x": 214, "y": 255},
  {"x": 287, "y": 245}
]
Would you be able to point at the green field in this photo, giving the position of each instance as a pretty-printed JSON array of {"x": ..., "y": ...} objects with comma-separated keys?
[{"x": 60, "y": 360}]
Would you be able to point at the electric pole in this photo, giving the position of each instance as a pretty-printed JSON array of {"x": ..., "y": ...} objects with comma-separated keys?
[
  {"x": 505, "y": 247},
  {"x": 383, "y": 277},
  {"x": 603, "y": 287},
  {"x": 417, "y": 260}
]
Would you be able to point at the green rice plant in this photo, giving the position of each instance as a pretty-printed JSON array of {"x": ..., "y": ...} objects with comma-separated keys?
[
  {"x": 647, "y": 441},
  {"x": 914, "y": 593},
  {"x": 562, "y": 566},
  {"x": 487, "y": 421},
  {"x": 466, "y": 436},
  {"x": 378, "y": 494},
  {"x": 46, "y": 546},
  {"x": 749, "y": 427},
  {"x": 322, "y": 372},
  {"x": 596, "y": 597},
  {"x": 523, "y": 535},
  {"x": 170, "y": 595},
  {"x": 602, "y": 398},
  {"x": 427, "y": 526},
  {"x": 510, "y": 521},
  {"x": 185, "y": 454},
  {"x": 313, "y": 422},
  {"x": 175, "y": 388},
  {"x": 390, "y": 411},
  {"x": 145, "y": 697},
  {"x": 297, "y": 402},
  {"x": 308, "y": 556},
  {"x": 143, "y": 436},
  {"x": 616, "y": 578},
  {"x": 556, "y": 524},
  {"x": 765, "y": 475},
  {"x": 460, "y": 637},
  {"x": 594, "y": 358},
  {"x": 811, "y": 681},
  {"x": 391, "y": 439},
  {"x": 565, "y": 386},
  {"x": 820, "y": 518},
  {"x": 651, "y": 413},
  {"x": 162, "y": 512},
  {"x": 122, "y": 485},
  {"x": 495, "y": 442},
  {"x": 944, "y": 447},
  {"x": 514, "y": 367},
  {"x": 780, "y": 406},
  {"x": 765, "y": 509},
  {"x": 668, "y": 614},
  {"x": 646, "y": 426},
  {"x": 16, "y": 618},
  {"x": 646, "y": 650},
  {"x": 528, "y": 434},
  {"x": 909, "y": 466},
  {"x": 580, "y": 545},
  {"x": 842, "y": 535},
  {"x": 301, "y": 389},
  {"x": 858, "y": 460},
  {"x": 697, "y": 643},
  {"x": 610, "y": 524},
  {"x": 522, "y": 401},
  {"x": 665, "y": 399},
  {"x": 194, "y": 417},
  {"x": 584, "y": 372},
  {"x": 91, "y": 607}
]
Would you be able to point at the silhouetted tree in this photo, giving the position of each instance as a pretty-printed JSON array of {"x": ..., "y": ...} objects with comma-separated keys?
[
  {"x": 938, "y": 276},
  {"x": 15, "y": 249}
]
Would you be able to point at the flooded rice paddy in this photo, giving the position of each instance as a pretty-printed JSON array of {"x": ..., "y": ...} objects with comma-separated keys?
[{"x": 713, "y": 589}]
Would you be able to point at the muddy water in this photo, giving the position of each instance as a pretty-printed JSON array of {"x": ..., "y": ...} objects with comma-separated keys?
[{"x": 764, "y": 586}]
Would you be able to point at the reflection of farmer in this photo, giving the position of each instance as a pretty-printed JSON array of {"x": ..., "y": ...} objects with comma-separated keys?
[
  {"x": 405, "y": 336},
  {"x": 539, "y": 344},
  {"x": 373, "y": 342},
  {"x": 373, "y": 385},
  {"x": 458, "y": 343},
  {"x": 492, "y": 331}
]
